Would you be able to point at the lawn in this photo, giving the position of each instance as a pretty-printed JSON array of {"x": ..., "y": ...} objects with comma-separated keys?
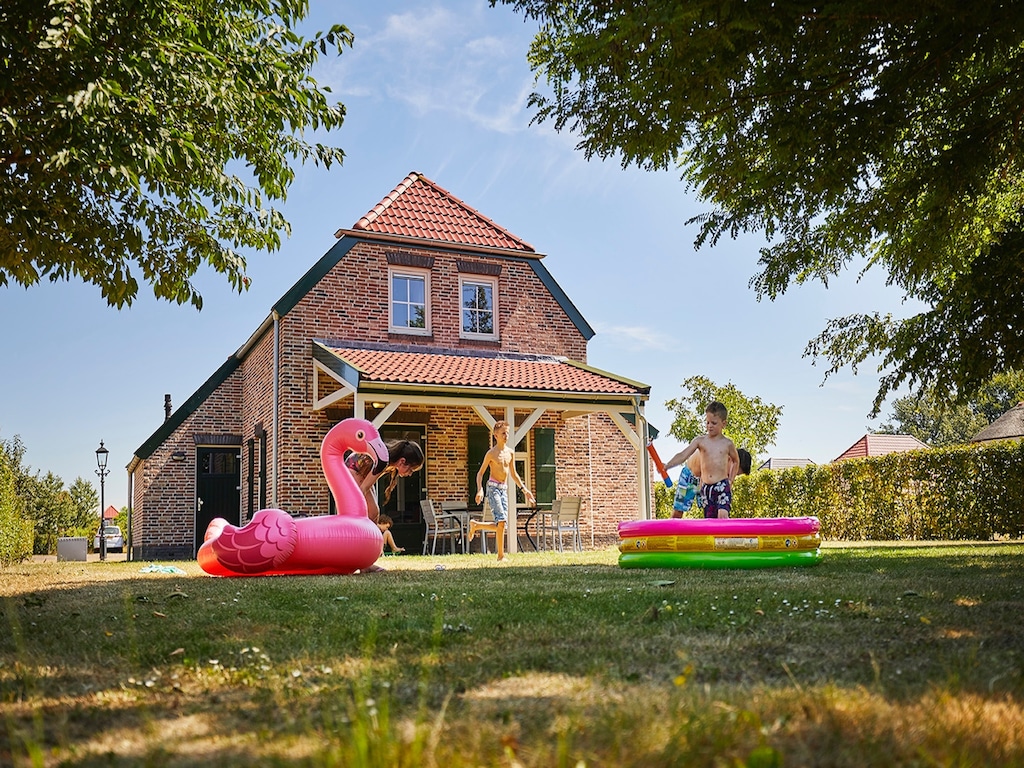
[{"x": 881, "y": 655}]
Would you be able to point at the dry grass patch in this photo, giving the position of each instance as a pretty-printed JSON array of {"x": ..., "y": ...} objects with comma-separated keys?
[{"x": 879, "y": 656}]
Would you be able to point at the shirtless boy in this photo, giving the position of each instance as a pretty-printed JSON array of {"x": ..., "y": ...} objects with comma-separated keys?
[
  {"x": 499, "y": 460},
  {"x": 719, "y": 462}
]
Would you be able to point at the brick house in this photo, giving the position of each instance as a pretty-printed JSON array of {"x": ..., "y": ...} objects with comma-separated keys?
[{"x": 433, "y": 322}]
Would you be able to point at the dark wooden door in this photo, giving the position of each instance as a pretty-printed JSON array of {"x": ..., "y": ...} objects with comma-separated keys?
[{"x": 218, "y": 483}]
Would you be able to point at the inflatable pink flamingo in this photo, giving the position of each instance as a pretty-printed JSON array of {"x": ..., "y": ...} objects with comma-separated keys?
[{"x": 274, "y": 542}]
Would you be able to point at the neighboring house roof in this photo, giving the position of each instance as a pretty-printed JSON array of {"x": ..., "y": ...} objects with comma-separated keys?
[
  {"x": 110, "y": 512},
  {"x": 880, "y": 445},
  {"x": 1006, "y": 427},
  {"x": 380, "y": 364},
  {"x": 774, "y": 463},
  {"x": 421, "y": 209}
]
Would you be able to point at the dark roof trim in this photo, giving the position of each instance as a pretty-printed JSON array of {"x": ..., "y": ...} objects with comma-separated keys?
[
  {"x": 563, "y": 301},
  {"x": 186, "y": 409},
  {"x": 335, "y": 364},
  {"x": 315, "y": 274},
  {"x": 440, "y": 245}
]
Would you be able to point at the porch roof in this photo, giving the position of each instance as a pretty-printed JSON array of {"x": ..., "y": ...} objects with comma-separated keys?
[{"x": 364, "y": 365}]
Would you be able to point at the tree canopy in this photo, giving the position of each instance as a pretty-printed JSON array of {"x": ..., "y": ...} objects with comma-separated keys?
[
  {"x": 140, "y": 140},
  {"x": 939, "y": 422},
  {"x": 752, "y": 423},
  {"x": 852, "y": 134}
]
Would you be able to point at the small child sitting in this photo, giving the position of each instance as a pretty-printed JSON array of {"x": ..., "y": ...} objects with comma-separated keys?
[{"x": 384, "y": 522}]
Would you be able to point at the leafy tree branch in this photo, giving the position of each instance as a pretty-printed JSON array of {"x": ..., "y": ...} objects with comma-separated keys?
[
  {"x": 144, "y": 140},
  {"x": 857, "y": 134}
]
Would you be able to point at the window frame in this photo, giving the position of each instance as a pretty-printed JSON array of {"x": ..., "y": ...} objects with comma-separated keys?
[
  {"x": 483, "y": 280},
  {"x": 411, "y": 273}
]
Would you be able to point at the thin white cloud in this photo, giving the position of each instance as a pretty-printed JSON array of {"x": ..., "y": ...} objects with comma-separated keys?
[
  {"x": 436, "y": 60},
  {"x": 633, "y": 336}
]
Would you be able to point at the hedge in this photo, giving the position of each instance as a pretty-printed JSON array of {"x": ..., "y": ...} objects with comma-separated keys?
[{"x": 961, "y": 492}]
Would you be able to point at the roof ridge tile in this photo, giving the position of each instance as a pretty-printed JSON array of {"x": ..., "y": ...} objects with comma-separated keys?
[{"x": 420, "y": 207}]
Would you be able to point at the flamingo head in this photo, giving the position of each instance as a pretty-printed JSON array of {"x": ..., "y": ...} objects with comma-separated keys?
[
  {"x": 356, "y": 435},
  {"x": 361, "y": 436}
]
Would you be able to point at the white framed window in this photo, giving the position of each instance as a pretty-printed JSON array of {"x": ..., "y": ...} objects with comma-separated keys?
[
  {"x": 410, "y": 301},
  {"x": 479, "y": 302}
]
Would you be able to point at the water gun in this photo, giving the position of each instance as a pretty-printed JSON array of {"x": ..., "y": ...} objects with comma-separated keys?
[{"x": 659, "y": 465}]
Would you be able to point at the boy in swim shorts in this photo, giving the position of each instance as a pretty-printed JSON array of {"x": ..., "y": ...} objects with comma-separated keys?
[
  {"x": 687, "y": 487},
  {"x": 499, "y": 460},
  {"x": 719, "y": 461}
]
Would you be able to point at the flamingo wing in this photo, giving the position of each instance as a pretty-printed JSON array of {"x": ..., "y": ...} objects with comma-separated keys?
[{"x": 263, "y": 544}]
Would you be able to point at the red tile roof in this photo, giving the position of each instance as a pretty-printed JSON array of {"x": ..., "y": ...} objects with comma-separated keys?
[
  {"x": 879, "y": 445},
  {"x": 505, "y": 372},
  {"x": 420, "y": 208}
]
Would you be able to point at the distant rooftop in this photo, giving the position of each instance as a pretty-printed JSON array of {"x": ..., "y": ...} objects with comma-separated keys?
[
  {"x": 1006, "y": 427},
  {"x": 774, "y": 463},
  {"x": 880, "y": 445}
]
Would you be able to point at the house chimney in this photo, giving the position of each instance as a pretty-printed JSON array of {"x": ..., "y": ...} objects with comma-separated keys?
[{"x": 167, "y": 407}]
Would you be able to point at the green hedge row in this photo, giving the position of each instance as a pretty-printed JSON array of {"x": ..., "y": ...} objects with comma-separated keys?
[
  {"x": 16, "y": 532},
  {"x": 16, "y": 536},
  {"x": 963, "y": 492}
]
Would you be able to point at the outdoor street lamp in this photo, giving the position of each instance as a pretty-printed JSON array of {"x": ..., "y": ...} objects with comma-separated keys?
[{"x": 101, "y": 462}]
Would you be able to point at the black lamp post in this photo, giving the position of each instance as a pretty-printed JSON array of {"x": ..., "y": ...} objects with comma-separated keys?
[{"x": 101, "y": 462}]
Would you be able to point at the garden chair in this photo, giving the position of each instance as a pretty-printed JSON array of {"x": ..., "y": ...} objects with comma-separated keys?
[
  {"x": 442, "y": 524},
  {"x": 563, "y": 518}
]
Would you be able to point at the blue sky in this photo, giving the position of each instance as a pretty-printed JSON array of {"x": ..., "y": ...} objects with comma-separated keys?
[{"x": 441, "y": 88}]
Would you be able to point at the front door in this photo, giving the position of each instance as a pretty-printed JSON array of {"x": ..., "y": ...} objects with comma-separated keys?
[{"x": 218, "y": 480}]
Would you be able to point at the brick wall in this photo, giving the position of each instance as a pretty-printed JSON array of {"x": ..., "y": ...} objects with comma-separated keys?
[
  {"x": 163, "y": 505},
  {"x": 594, "y": 460}
]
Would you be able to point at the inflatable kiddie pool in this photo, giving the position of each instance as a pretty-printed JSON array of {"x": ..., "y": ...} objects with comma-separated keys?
[{"x": 737, "y": 542}]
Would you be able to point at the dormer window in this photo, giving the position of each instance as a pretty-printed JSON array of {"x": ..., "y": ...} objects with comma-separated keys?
[
  {"x": 479, "y": 307},
  {"x": 410, "y": 307}
]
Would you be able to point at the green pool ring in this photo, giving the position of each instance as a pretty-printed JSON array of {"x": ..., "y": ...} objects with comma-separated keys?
[{"x": 752, "y": 559}]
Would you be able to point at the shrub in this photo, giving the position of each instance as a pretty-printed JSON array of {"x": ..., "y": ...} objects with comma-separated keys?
[
  {"x": 16, "y": 532},
  {"x": 960, "y": 492}
]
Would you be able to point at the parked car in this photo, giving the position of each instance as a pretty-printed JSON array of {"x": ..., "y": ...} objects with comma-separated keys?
[{"x": 115, "y": 541}]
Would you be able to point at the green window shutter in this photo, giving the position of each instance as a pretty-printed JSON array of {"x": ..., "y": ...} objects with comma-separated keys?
[
  {"x": 478, "y": 442},
  {"x": 544, "y": 465}
]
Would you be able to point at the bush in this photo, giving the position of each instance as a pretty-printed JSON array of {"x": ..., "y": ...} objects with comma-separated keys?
[
  {"x": 16, "y": 532},
  {"x": 663, "y": 497},
  {"x": 961, "y": 492}
]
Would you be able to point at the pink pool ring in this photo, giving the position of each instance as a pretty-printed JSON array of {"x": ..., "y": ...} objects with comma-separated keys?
[
  {"x": 733, "y": 526},
  {"x": 720, "y": 543}
]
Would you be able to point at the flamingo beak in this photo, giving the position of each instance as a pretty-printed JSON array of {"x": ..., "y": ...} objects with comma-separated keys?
[{"x": 380, "y": 454}]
